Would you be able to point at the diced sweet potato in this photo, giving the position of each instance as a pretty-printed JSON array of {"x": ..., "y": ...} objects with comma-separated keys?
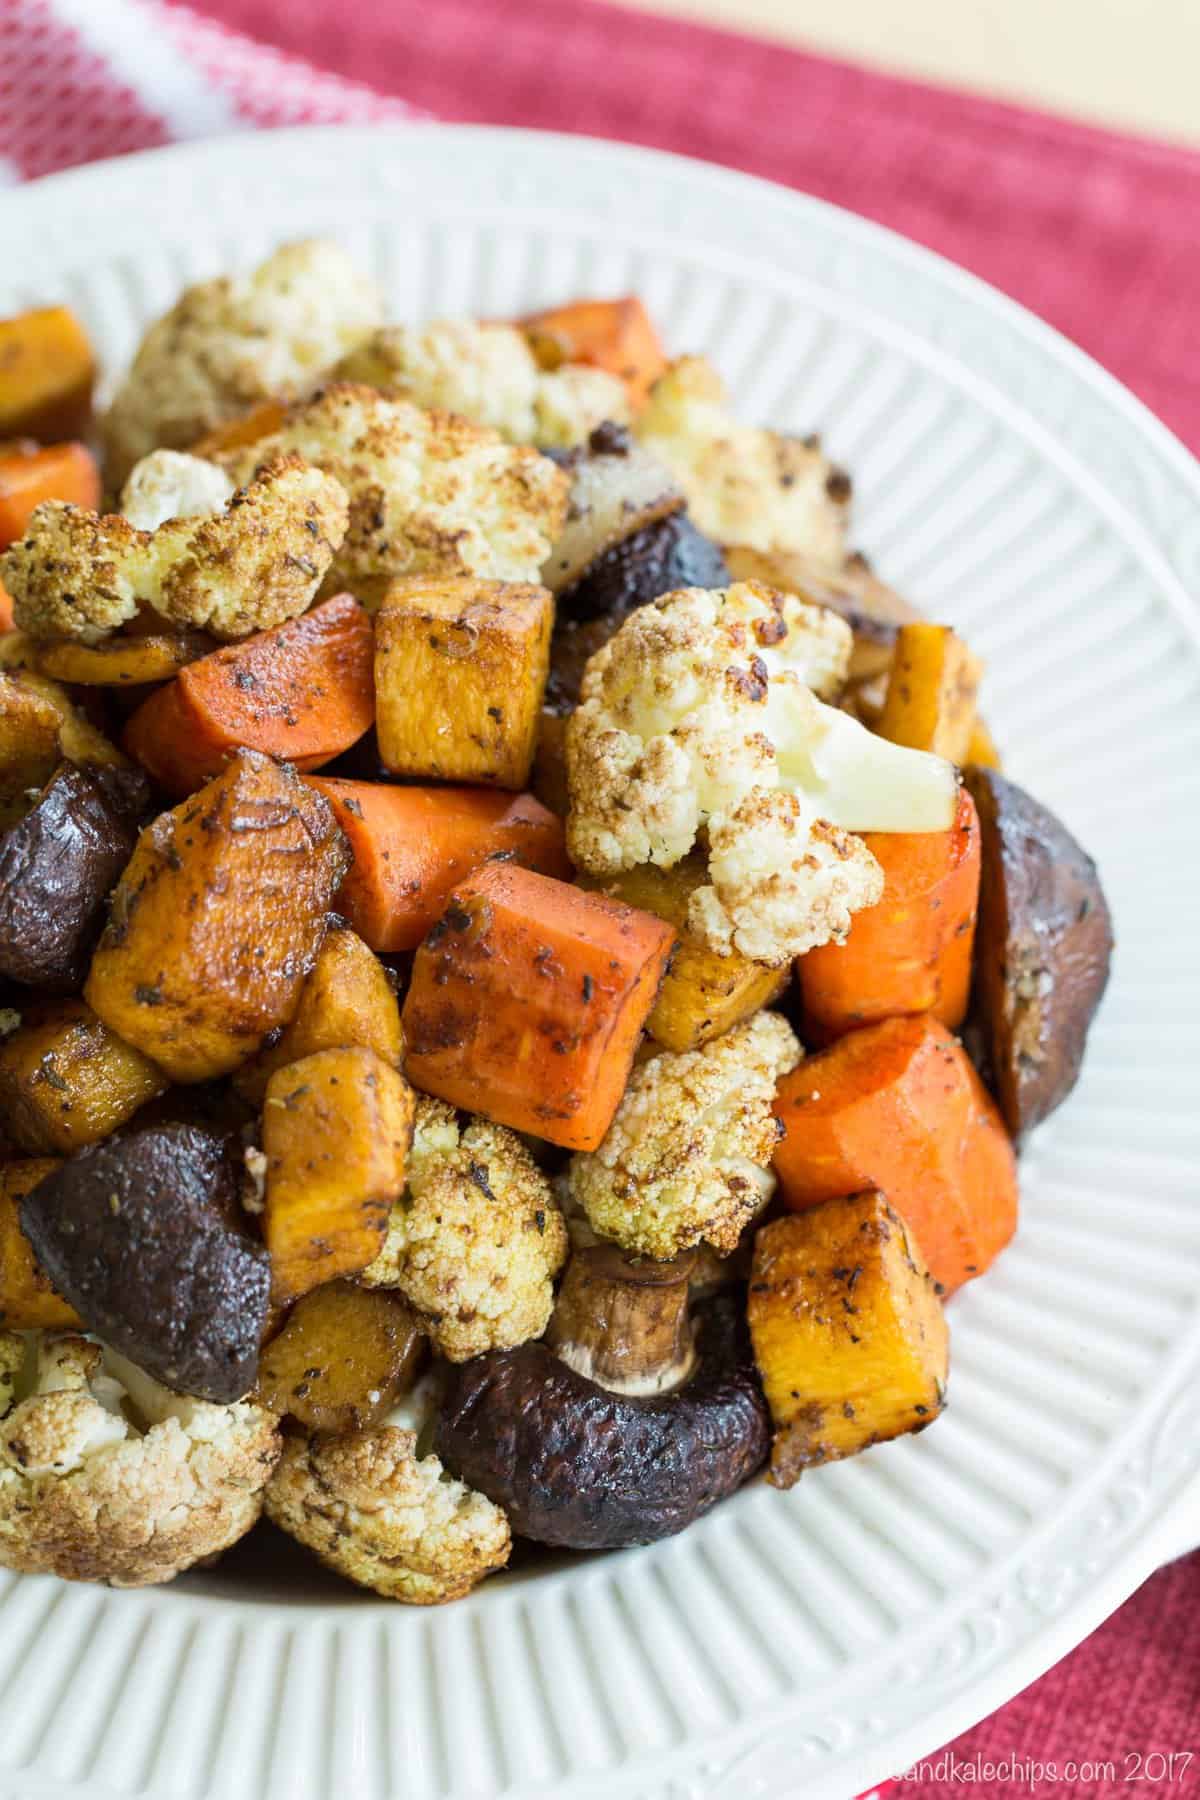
[
  {"x": 617, "y": 335},
  {"x": 460, "y": 669},
  {"x": 931, "y": 693},
  {"x": 412, "y": 844},
  {"x": 29, "y": 475},
  {"x": 120, "y": 661},
  {"x": 346, "y": 1001},
  {"x": 898, "y": 1106},
  {"x": 66, "y": 1080},
  {"x": 343, "y": 1359},
  {"x": 27, "y": 1300},
  {"x": 47, "y": 372},
  {"x": 39, "y": 729},
  {"x": 911, "y": 952},
  {"x": 848, "y": 1331},
  {"x": 303, "y": 691},
  {"x": 527, "y": 1002},
  {"x": 218, "y": 920},
  {"x": 259, "y": 422},
  {"x": 336, "y": 1131},
  {"x": 703, "y": 994}
]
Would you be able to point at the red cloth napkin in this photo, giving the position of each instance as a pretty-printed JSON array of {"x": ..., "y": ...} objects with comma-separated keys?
[{"x": 1095, "y": 232}]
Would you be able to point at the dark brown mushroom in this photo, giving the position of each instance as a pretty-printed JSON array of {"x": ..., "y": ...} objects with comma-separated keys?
[
  {"x": 1043, "y": 943},
  {"x": 623, "y": 1321},
  {"x": 143, "y": 1236},
  {"x": 57, "y": 868},
  {"x": 576, "y": 1465}
]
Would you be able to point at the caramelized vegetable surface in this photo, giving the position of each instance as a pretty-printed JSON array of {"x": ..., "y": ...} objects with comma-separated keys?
[
  {"x": 343, "y": 1359},
  {"x": 218, "y": 919}
]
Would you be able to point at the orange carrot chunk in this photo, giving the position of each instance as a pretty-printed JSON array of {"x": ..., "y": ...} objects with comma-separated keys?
[
  {"x": 47, "y": 371},
  {"x": 899, "y": 1107},
  {"x": 303, "y": 692},
  {"x": 413, "y": 844},
  {"x": 911, "y": 953},
  {"x": 617, "y": 335},
  {"x": 265, "y": 417},
  {"x": 29, "y": 475},
  {"x": 527, "y": 1002}
]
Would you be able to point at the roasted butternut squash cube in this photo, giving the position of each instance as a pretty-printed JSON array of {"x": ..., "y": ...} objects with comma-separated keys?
[
  {"x": 336, "y": 1131},
  {"x": 932, "y": 692},
  {"x": 848, "y": 1332},
  {"x": 218, "y": 919},
  {"x": 346, "y": 1001},
  {"x": 460, "y": 669},
  {"x": 27, "y": 1300},
  {"x": 66, "y": 1080},
  {"x": 40, "y": 727},
  {"x": 981, "y": 750},
  {"x": 343, "y": 1359},
  {"x": 703, "y": 994},
  {"x": 47, "y": 371}
]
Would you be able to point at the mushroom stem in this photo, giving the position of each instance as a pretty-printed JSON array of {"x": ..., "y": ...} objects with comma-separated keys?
[{"x": 622, "y": 1321}]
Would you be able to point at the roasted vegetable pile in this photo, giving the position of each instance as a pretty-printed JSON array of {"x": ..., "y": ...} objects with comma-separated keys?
[{"x": 494, "y": 896}]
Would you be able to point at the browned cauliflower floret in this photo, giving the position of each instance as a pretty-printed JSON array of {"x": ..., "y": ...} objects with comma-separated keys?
[
  {"x": 477, "y": 1240},
  {"x": 228, "y": 343},
  {"x": 688, "y": 1155},
  {"x": 487, "y": 372},
  {"x": 87, "y": 1494},
  {"x": 249, "y": 567},
  {"x": 430, "y": 493},
  {"x": 744, "y": 485},
  {"x": 382, "y": 1516},
  {"x": 698, "y": 718}
]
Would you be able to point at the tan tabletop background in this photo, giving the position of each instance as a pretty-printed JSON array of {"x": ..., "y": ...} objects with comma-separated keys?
[{"x": 1133, "y": 64}]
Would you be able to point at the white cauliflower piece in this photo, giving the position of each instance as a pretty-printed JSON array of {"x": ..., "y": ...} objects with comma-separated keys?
[
  {"x": 698, "y": 720},
  {"x": 386, "y": 1518},
  {"x": 476, "y": 1241},
  {"x": 744, "y": 485},
  {"x": 488, "y": 373},
  {"x": 229, "y": 343},
  {"x": 105, "y": 1476},
  {"x": 430, "y": 493},
  {"x": 247, "y": 568},
  {"x": 169, "y": 485},
  {"x": 688, "y": 1155}
]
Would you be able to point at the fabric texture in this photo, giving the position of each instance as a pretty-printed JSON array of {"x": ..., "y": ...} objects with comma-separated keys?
[{"x": 1094, "y": 231}]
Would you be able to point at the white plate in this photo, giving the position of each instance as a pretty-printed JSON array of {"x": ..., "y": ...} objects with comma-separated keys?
[{"x": 814, "y": 1641}]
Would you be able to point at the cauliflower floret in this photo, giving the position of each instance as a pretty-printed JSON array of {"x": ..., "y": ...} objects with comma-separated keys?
[
  {"x": 488, "y": 373},
  {"x": 744, "y": 485},
  {"x": 228, "y": 343},
  {"x": 245, "y": 569},
  {"x": 698, "y": 719},
  {"x": 105, "y": 1476},
  {"x": 688, "y": 1155},
  {"x": 382, "y": 1516},
  {"x": 430, "y": 493},
  {"x": 169, "y": 485},
  {"x": 477, "y": 1240}
]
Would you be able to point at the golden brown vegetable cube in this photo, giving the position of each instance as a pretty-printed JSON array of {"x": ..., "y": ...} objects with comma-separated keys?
[
  {"x": 460, "y": 668},
  {"x": 66, "y": 1080},
  {"x": 981, "y": 750},
  {"x": 848, "y": 1331},
  {"x": 40, "y": 728},
  {"x": 47, "y": 369},
  {"x": 346, "y": 1001},
  {"x": 336, "y": 1131},
  {"x": 218, "y": 919},
  {"x": 932, "y": 692},
  {"x": 343, "y": 1359},
  {"x": 703, "y": 994},
  {"x": 27, "y": 1300}
]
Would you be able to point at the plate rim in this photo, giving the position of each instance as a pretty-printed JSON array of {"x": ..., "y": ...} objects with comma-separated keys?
[{"x": 1163, "y": 1536}]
